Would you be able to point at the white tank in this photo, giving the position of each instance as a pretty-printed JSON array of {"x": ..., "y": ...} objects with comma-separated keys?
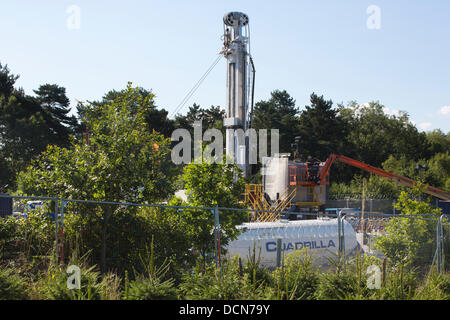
[
  {"x": 275, "y": 176},
  {"x": 319, "y": 236}
]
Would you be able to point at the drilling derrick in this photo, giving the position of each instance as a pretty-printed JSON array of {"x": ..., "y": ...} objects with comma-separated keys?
[{"x": 236, "y": 51}]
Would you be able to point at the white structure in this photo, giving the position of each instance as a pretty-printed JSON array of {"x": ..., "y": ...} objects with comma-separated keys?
[{"x": 319, "y": 236}]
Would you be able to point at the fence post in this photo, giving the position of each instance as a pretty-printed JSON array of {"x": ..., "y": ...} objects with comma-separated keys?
[
  {"x": 439, "y": 244},
  {"x": 217, "y": 235},
  {"x": 341, "y": 237},
  {"x": 61, "y": 244},
  {"x": 56, "y": 224},
  {"x": 279, "y": 244}
]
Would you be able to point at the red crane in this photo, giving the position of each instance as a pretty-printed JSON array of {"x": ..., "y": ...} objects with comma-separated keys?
[{"x": 324, "y": 172}]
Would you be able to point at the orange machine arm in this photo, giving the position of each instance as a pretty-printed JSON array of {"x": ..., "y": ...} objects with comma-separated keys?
[{"x": 391, "y": 176}]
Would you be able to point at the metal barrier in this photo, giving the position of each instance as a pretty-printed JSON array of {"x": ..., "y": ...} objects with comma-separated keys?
[{"x": 111, "y": 228}]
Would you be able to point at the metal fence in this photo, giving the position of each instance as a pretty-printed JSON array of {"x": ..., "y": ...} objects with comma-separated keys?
[
  {"x": 118, "y": 235},
  {"x": 386, "y": 206}
]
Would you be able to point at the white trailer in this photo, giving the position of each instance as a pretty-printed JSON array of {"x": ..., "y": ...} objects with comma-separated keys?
[{"x": 320, "y": 237}]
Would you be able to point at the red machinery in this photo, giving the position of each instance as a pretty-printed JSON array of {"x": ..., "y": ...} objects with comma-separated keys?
[{"x": 303, "y": 175}]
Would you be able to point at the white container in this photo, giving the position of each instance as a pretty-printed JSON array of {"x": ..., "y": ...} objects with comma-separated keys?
[{"x": 319, "y": 236}]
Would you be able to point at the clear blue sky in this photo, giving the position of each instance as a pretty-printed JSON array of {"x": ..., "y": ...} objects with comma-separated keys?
[{"x": 321, "y": 46}]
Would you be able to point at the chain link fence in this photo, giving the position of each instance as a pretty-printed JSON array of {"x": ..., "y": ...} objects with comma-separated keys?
[
  {"x": 28, "y": 230},
  {"x": 386, "y": 206},
  {"x": 119, "y": 236}
]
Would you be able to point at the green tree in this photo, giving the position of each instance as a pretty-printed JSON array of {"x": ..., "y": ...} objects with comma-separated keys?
[
  {"x": 376, "y": 135},
  {"x": 211, "y": 185},
  {"x": 54, "y": 102},
  {"x": 322, "y": 130},
  {"x": 410, "y": 241},
  {"x": 279, "y": 112},
  {"x": 123, "y": 162},
  {"x": 435, "y": 173},
  {"x": 28, "y": 124},
  {"x": 439, "y": 141},
  {"x": 155, "y": 118},
  {"x": 7, "y": 81}
]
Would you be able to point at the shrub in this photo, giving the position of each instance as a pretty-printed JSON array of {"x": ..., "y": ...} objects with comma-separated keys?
[
  {"x": 336, "y": 286},
  {"x": 435, "y": 287},
  {"x": 93, "y": 286},
  {"x": 12, "y": 286},
  {"x": 226, "y": 283},
  {"x": 297, "y": 279},
  {"x": 400, "y": 284},
  {"x": 153, "y": 286}
]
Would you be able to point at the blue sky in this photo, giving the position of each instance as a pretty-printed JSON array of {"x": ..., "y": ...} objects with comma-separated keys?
[{"x": 321, "y": 46}]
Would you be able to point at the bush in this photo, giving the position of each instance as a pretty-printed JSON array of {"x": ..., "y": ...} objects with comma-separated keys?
[
  {"x": 336, "y": 286},
  {"x": 436, "y": 287},
  {"x": 93, "y": 286},
  {"x": 400, "y": 284},
  {"x": 298, "y": 278},
  {"x": 153, "y": 286},
  {"x": 226, "y": 283},
  {"x": 12, "y": 286},
  {"x": 143, "y": 288}
]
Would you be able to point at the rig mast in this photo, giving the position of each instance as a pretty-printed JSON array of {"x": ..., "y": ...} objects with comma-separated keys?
[{"x": 236, "y": 41}]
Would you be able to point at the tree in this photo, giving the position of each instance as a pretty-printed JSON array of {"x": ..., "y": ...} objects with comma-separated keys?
[
  {"x": 7, "y": 81},
  {"x": 24, "y": 133},
  {"x": 279, "y": 112},
  {"x": 439, "y": 141},
  {"x": 28, "y": 124},
  {"x": 123, "y": 162},
  {"x": 435, "y": 173},
  {"x": 375, "y": 135},
  {"x": 410, "y": 241},
  {"x": 211, "y": 118},
  {"x": 55, "y": 103},
  {"x": 322, "y": 129},
  {"x": 210, "y": 185},
  {"x": 155, "y": 118}
]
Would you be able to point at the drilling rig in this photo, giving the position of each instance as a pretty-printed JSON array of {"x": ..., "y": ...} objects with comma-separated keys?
[
  {"x": 236, "y": 50},
  {"x": 291, "y": 186}
]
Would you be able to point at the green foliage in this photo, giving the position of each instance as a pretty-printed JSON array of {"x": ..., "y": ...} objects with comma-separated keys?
[
  {"x": 322, "y": 129},
  {"x": 410, "y": 241},
  {"x": 400, "y": 284},
  {"x": 436, "y": 172},
  {"x": 435, "y": 287},
  {"x": 153, "y": 285},
  {"x": 376, "y": 135},
  {"x": 337, "y": 286},
  {"x": 28, "y": 124},
  {"x": 279, "y": 112},
  {"x": 54, "y": 285},
  {"x": 28, "y": 242},
  {"x": 12, "y": 286},
  {"x": 439, "y": 141},
  {"x": 155, "y": 119},
  {"x": 122, "y": 162},
  {"x": 298, "y": 278},
  {"x": 375, "y": 187},
  {"x": 210, "y": 185},
  {"x": 226, "y": 283}
]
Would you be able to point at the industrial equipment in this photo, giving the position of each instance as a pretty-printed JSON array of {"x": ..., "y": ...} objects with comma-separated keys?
[
  {"x": 301, "y": 186},
  {"x": 236, "y": 49},
  {"x": 320, "y": 237}
]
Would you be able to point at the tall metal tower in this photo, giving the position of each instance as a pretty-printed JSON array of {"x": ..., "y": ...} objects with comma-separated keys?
[{"x": 236, "y": 51}]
